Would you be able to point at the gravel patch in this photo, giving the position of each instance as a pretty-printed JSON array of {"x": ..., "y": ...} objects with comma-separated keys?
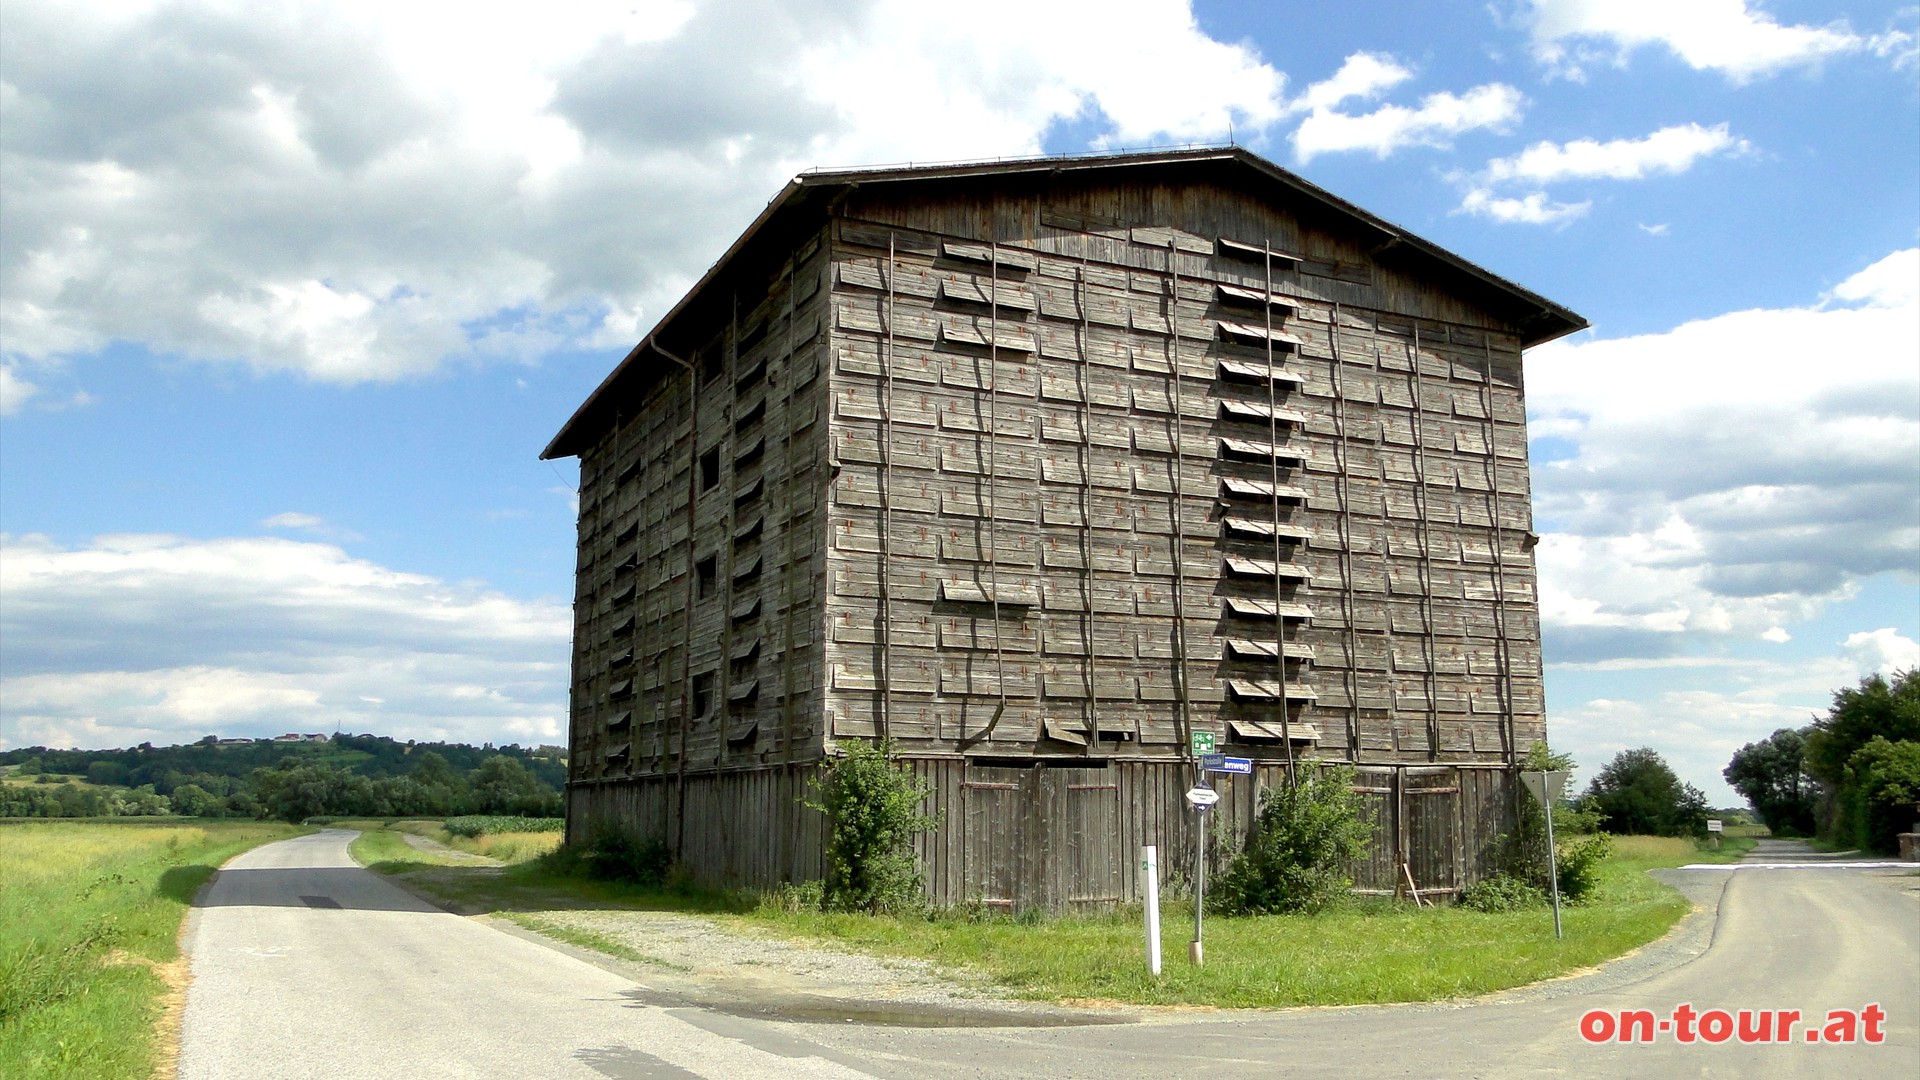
[{"x": 713, "y": 953}]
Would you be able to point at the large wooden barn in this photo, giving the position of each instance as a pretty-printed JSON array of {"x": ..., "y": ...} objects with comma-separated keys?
[{"x": 1038, "y": 468}]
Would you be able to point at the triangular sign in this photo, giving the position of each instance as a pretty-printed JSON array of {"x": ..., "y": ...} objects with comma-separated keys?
[{"x": 1546, "y": 786}]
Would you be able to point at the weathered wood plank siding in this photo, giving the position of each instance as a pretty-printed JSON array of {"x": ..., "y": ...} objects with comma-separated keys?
[
  {"x": 1091, "y": 425},
  {"x": 737, "y": 684}
]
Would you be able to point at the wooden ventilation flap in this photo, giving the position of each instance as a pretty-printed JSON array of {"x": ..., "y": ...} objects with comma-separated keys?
[
  {"x": 1260, "y": 450},
  {"x": 617, "y": 752},
  {"x": 1234, "y": 294},
  {"x": 1234, "y": 487},
  {"x": 987, "y": 254},
  {"x": 969, "y": 290},
  {"x": 623, "y": 688},
  {"x": 1245, "y": 608},
  {"x": 746, "y": 610},
  {"x": 623, "y": 594},
  {"x": 744, "y": 733},
  {"x": 749, "y": 528},
  {"x": 747, "y": 569},
  {"x": 621, "y": 658},
  {"x": 750, "y": 492},
  {"x": 1004, "y": 337},
  {"x": 1254, "y": 731},
  {"x": 624, "y": 626},
  {"x": 750, "y": 414},
  {"x": 1236, "y": 409},
  {"x": 1255, "y": 649},
  {"x": 1070, "y": 732},
  {"x": 970, "y": 592},
  {"x": 743, "y": 692},
  {"x": 1241, "y": 566},
  {"x": 1268, "y": 690},
  {"x": 620, "y": 719},
  {"x": 744, "y": 650},
  {"x": 1248, "y": 334},
  {"x": 1255, "y": 529},
  {"x": 1260, "y": 253},
  {"x": 1249, "y": 371}
]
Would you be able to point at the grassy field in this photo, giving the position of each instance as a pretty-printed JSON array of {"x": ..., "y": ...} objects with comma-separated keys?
[
  {"x": 90, "y": 915},
  {"x": 1368, "y": 952},
  {"x": 379, "y": 846}
]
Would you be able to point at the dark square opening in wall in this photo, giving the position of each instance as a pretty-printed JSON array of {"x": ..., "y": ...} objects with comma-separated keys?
[
  {"x": 707, "y": 572},
  {"x": 713, "y": 363},
  {"x": 702, "y": 694},
  {"x": 709, "y": 468}
]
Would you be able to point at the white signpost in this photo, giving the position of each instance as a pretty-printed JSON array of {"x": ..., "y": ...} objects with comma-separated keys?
[
  {"x": 1546, "y": 786},
  {"x": 1150, "y": 870}
]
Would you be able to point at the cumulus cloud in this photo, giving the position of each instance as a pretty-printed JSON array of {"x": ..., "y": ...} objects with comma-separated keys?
[
  {"x": 1729, "y": 476},
  {"x": 14, "y": 389},
  {"x": 163, "y": 638},
  {"x": 1668, "y": 151},
  {"x": 1435, "y": 122},
  {"x": 1723, "y": 36},
  {"x": 363, "y": 191}
]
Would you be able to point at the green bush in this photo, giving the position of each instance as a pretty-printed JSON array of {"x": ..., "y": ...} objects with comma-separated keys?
[
  {"x": 615, "y": 854},
  {"x": 1303, "y": 838},
  {"x": 1501, "y": 892},
  {"x": 1580, "y": 858},
  {"x": 873, "y": 814}
]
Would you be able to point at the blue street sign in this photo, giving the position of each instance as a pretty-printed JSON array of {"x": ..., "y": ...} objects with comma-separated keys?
[
  {"x": 1220, "y": 763},
  {"x": 1212, "y": 762}
]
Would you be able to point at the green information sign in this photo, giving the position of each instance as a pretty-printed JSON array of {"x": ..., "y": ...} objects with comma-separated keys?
[{"x": 1202, "y": 742}]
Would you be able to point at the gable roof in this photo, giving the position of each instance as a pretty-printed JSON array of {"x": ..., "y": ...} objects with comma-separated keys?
[{"x": 805, "y": 201}]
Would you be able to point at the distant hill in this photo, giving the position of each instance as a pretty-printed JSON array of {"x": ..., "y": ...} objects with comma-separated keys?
[{"x": 244, "y": 777}]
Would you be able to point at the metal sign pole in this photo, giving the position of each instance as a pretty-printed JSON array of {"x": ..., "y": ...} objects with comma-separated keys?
[
  {"x": 1197, "y": 953},
  {"x": 1553, "y": 871},
  {"x": 1546, "y": 786}
]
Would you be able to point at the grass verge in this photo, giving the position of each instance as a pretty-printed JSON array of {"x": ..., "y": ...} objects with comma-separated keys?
[
  {"x": 1366, "y": 952},
  {"x": 89, "y": 937}
]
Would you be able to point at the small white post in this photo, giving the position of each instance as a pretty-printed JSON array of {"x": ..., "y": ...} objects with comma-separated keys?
[{"x": 1150, "y": 871}]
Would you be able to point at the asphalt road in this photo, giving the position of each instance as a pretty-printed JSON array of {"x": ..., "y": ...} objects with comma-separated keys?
[{"x": 305, "y": 965}]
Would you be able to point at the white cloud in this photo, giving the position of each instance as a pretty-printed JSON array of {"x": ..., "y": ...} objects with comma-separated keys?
[
  {"x": 1731, "y": 476},
  {"x": 1362, "y": 76},
  {"x": 1883, "y": 651},
  {"x": 365, "y": 191},
  {"x": 165, "y": 639},
  {"x": 14, "y": 390},
  {"x": 1892, "y": 282},
  {"x": 1670, "y": 150},
  {"x": 1532, "y": 209},
  {"x": 1724, "y": 36},
  {"x": 1660, "y": 229},
  {"x": 1435, "y": 122},
  {"x": 292, "y": 520}
]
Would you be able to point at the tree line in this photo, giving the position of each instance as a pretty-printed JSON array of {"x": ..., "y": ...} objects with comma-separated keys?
[
  {"x": 1851, "y": 777},
  {"x": 356, "y": 776}
]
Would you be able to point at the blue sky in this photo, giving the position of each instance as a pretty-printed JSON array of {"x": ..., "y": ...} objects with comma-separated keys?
[{"x": 291, "y": 297}]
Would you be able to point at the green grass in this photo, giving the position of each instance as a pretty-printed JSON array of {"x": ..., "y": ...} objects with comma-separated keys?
[
  {"x": 90, "y": 916},
  {"x": 381, "y": 848}
]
